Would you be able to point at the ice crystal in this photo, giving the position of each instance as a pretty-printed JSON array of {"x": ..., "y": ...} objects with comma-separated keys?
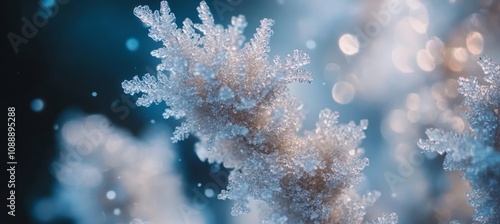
[
  {"x": 476, "y": 152},
  {"x": 238, "y": 104}
]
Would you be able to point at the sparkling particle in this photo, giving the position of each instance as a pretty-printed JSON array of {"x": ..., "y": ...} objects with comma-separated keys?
[
  {"x": 425, "y": 61},
  {"x": 343, "y": 92},
  {"x": 435, "y": 47},
  {"x": 111, "y": 195},
  {"x": 209, "y": 192},
  {"x": 199, "y": 185},
  {"x": 56, "y": 127},
  {"x": 37, "y": 105},
  {"x": 460, "y": 55},
  {"x": 419, "y": 17},
  {"x": 311, "y": 44},
  {"x": 152, "y": 121},
  {"x": 94, "y": 94},
  {"x": 349, "y": 44},
  {"x": 132, "y": 44},
  {"x": 117, "y": 211},
  {"x": 458, "y": 58},
  {"x": 413, "y": 101},
  {"x": 398, "y": 121},
  {"x": 475, "y": 43}
]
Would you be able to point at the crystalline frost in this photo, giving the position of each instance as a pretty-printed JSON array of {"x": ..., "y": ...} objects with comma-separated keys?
[
  {"x": 477, "y": 151},
  {"x": 237, "y": 102}
]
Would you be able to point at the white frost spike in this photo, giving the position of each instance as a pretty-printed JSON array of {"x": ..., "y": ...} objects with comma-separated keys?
[
  {"x": 476, "y": 152},
  {"x": 237, "y": 102}
]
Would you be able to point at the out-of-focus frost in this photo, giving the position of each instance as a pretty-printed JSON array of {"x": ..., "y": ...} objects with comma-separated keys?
[{"x": 108, "y": 176}]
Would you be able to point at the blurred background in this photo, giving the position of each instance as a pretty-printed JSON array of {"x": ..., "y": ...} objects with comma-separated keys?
[{"x": 87, "y": 154}]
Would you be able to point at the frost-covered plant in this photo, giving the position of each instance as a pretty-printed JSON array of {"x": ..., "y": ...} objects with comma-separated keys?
[
  {"x": 476, "y": 152},
  {"x": 238, "y": 104}
]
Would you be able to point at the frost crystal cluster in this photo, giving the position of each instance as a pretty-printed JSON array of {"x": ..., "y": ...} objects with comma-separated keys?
[
  {"x": 476, "y": 152},
  {"x": 238, "y": 104}
]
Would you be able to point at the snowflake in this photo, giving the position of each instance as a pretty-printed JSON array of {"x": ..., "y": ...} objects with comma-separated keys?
[
  {"x": 237, "y": 102},
  {"x": 476, "y": 152}
]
